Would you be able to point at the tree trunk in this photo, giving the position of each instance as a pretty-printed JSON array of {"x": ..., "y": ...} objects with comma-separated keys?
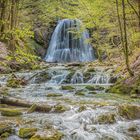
[{"x": 125, "y": 40}]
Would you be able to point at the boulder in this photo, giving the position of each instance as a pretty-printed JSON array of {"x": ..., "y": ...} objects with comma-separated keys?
[{"x": 27, "y": 132}]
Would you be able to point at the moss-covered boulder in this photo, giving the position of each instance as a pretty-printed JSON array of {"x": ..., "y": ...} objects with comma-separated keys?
[
  {"x": 10, "y": 112},
  {"x": 70, "y": 88},
  {"x": 80, "y": 93},
  {"x": 60, "y": 108},
  {"x": 108, "y": 118},
  {"x": 27, "y": 132},
  {"x": 90, "y": 87},
  {"x": 47, "y": 135},
  {"x": 129, "y": 111},
  {"x": 54, "y": 95},
  {"x": 5, "y": 127}
]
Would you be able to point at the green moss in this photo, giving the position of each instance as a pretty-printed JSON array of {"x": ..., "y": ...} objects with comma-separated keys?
[
  {"x": 82, "y": 108},
  {"x": 80, "y": 93},
  {"x": 129, "y": 111},
  {"x": 10, "y": 112},
  {"x": 70, "y": 88},
  {"x": 27, "y": 132},
  {"x": 92, "y": 92},
  {"x": 55, "y": 136},
  {"x": 32, "y": 108},
  {"x": 89, "y": 87},
  {"x": 106, "y": 118},
  {"x": 5, "y": 135},
  {"x": 54, "y": 95},
  {"x": 4, "y": 127},
  {"x": 60, "y": 108}
]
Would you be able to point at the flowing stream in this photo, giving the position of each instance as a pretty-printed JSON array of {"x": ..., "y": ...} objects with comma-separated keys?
[{"x": 80, "y": 121}]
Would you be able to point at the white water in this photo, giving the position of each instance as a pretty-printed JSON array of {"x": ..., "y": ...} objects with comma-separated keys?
[{"x": 65, "y": 46}]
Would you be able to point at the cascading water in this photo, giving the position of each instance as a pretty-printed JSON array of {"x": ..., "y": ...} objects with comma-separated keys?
[{"x": 65, "y": 46}]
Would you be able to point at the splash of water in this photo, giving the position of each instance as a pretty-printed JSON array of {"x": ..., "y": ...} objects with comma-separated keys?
[{"x": 66, "y": 47}]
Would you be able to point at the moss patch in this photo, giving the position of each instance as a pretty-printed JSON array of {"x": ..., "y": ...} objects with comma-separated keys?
[
  {"x": 106, "y": 118},
  {"x": 70, "y": 88},
  {"x": 60, "y": 108},
  {"x": 27, "y": 132},
  {"x": 129, "y": 111},
  {"x": 10, "y": 112},
  {"x": 54, "y": 95}
]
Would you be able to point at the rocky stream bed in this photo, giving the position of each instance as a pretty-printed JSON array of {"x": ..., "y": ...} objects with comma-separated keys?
[{"x": 66, "y": 102}]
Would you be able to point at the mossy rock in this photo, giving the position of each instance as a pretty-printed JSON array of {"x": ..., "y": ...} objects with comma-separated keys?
[
  {"x": 27, "y": 132},
  {"x": 70, "y": 88},
  {"x": 129, "y": 111},
  {"x": 106, "y": 118},
  {"x": 92, "y": 92},
  {"x": 99, "y": 88},
  {"x": 3, "y": 91},
  {"x": 82, "y": 108},
  {"x": 4, "y": 127},
  {"x": 5, "y": 135},
  {"x": 60, "y": 108},
  {"x": 48, "y": 135},
  {"x": 80, "y": 93},
  {"x": 54, "y": 95},
  {"x": 10, "y": 112},
  {"x": 90, "y": 70},
  {"x": 42, "y": 77},
  {"x": 32, "y": 108},
  {"x": 90, "y": 87}
]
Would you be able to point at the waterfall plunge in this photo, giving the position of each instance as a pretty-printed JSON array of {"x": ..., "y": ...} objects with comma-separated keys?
[{"x": 66, "y": 47}]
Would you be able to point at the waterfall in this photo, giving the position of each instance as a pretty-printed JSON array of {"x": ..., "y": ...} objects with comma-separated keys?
[{"x": 65, "y": 46}]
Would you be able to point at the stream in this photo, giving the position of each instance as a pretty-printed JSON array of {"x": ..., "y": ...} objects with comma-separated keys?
[{"x": 87, "y": 110}]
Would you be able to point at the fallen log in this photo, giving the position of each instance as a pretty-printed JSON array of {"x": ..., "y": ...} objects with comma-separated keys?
[{"x": 21, "y": 103}]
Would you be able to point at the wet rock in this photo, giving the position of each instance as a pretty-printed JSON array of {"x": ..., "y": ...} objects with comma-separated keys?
[
  {"x": 87, "y": 76},
  {"x": 27, "y": 132},
  {"x": 90, "y": 87},
  {"x": 5, "y": 127},
  {"x": 132, "y": 128},
  {"x": 42, "y": 77},
  {"x": 129, "y": 111},
  {"x": 32, "y": 108},
  {"x": 70, "y": 88},
  {"x": 10, "y": 112},
  {"x": 80, "y": 93},
  {"x": 92, "y": 92},
  {"x": 82, "y": 108},
  {"x": 3, "y": 90},
  {"x": 90, "y": 69},
  {"x": 99, "y": 88},
  {"x": 47, "y": 135},
  {"x": 16, "y": 82},
  {"x": 5, "y": 135},
  {"x": 54, "y": 95},
  {"x": 60, "y": 108},
  {"x": 106, "y": 118}
]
